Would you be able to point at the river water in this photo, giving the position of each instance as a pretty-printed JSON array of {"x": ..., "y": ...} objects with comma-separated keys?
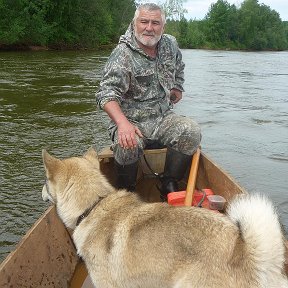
[{"x": 47, "y": 101}]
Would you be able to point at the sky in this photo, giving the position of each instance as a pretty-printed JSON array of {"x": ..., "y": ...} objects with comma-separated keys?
[{"x": 197, "y": 9}]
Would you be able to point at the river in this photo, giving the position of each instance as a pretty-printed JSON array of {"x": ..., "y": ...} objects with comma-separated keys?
[{"x": 47, "y": 101}]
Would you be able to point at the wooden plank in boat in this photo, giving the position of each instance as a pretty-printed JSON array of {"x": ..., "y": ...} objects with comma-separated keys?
[
  {"x": 108, "y": 153},
  {"x": 210, "y": 175},
  {"x": 45, "y": 257}
]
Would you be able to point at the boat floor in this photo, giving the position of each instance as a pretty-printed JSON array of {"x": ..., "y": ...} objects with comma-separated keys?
[{"x": 81, "y": 279}]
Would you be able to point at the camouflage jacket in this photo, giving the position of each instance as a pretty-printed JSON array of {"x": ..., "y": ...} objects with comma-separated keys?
[{"x": 139, "y": 83}]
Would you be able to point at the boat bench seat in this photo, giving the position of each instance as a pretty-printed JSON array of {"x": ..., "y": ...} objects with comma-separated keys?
[
  {"x": 155, "y": 157},
  {"x": 107, "y": 153}
]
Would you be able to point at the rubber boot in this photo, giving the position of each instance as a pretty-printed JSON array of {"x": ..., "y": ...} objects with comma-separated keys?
[
  {"x": 126, "y": 176},
  {"x": 176, "y": 164}
]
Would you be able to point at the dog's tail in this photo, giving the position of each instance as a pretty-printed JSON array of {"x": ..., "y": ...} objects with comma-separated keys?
[{"x": 261, "y": 232}]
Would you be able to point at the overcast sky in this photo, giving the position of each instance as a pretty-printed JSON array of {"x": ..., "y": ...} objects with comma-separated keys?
[{"x": 197, "y": 9}]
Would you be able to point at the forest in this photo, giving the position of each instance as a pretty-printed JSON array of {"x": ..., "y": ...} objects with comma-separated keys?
[{"x": 94, "y": 24}]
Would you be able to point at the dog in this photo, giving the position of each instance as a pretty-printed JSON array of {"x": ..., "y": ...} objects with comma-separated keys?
[{"x": 126, "y": 242}]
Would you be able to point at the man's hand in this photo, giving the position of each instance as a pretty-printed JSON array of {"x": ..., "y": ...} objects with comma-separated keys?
[
  {"x": 126, "y": 131},
  {"x": 127, "y": 135},
  {"x": 175, "y": 95}
]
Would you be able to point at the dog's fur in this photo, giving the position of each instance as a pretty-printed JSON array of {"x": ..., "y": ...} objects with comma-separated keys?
[{"x": 128, "y": 243}]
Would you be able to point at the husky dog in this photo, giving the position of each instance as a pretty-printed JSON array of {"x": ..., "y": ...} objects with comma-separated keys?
[{"x": 126, "y": 242}]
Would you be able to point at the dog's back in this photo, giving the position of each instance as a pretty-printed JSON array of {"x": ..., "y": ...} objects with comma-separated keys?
[{"x": 187, "y": 247}]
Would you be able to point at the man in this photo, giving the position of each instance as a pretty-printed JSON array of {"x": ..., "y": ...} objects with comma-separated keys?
[{"x": 142, "y": 79}]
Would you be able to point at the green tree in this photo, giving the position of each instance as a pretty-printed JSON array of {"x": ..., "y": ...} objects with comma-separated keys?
[
  {"x": 63, "y": 23},
  {"x": 260, "y": 27},
  {"x": 196, "y": 34},
  {"x": 221, "y": 22},
  {"x": 91, "y": 23},
  {"x": 38, "y": 30},
  {"x": 12, "y": 21},
  {"x": 122, "y": 12},
  {"x": 183, "y": 38}
]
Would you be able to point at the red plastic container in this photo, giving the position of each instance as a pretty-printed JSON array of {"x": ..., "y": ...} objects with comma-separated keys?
[{"x": 178, "y": 198}]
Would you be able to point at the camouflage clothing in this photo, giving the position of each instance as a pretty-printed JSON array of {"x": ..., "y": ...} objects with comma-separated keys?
[{"x": 141, "y": 85}]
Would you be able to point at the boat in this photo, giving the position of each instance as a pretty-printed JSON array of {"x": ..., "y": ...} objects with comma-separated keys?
[{"x": 46, "y": 256}]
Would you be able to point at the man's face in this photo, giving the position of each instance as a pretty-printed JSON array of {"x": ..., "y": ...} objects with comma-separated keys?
[{"x": 149, "y": 27}]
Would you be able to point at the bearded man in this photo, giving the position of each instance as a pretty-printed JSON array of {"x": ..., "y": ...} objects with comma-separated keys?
[{"x": 142, "y": 79}]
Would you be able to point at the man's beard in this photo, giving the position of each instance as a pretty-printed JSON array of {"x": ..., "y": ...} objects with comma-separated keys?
[{"x": 150, "y": 42}]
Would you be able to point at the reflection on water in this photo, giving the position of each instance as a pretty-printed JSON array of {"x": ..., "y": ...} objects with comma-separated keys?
[{"x": 47, "y": 101}]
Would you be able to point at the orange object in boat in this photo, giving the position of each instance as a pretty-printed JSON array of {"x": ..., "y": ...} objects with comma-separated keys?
[{"x": 199, "y": 198}]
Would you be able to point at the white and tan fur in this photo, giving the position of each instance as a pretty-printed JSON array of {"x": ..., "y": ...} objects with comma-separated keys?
[{"x": 129, "y": 243}]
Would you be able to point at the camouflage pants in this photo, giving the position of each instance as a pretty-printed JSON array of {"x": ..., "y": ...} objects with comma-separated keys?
[{"x": 171, "y": 130}]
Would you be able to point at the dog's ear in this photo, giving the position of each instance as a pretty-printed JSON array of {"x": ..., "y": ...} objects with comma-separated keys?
[
  {"x": 50, "y": 163},
  {"x": 91, "y": 155}
]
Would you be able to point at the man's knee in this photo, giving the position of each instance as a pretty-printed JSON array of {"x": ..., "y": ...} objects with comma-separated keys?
[
  {"x": 189, "y": 136},
  {"x": 126, "y": 156}
]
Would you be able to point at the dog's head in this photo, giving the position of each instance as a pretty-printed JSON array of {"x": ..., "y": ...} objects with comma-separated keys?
[{"x": 74, "y": 184}]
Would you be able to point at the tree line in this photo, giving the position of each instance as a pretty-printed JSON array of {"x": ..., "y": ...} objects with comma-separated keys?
[
  {"x": 63, "y": 23},
  {"x": 94, "y": 23},
  {"x": 252, "y": 26}
]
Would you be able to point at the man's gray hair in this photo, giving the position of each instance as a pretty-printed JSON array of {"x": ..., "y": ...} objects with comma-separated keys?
[{"x": 149, "y": 7}]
